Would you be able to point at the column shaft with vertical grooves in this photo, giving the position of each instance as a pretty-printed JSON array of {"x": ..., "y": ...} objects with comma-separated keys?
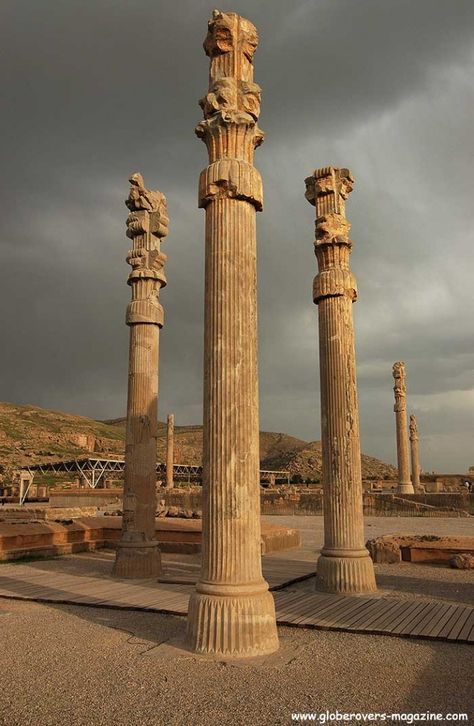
[
  {"x": 138, "y": 555},
  {"x": 415, "y": 456},
  {"x": 400, "y": 408},
  {"x": 344, "y": 565},
  {"x": 231, "y": 612},
  {"x": 170, "y": 452}
]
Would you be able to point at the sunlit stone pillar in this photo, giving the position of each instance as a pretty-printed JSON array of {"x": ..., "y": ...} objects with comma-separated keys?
[
  {"x": 415, "y": 456},
  {"x": 137, "y": 554},
  {"x": 170, "y": 451},
  {"x": 231, "y": 612},
  {"x": 22, "y": 488},
  {"x": 400, "y": 408},
  {"x": 344, "y": 565}
]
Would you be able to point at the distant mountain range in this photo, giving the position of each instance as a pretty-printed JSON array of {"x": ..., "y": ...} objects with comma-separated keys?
[{"x": 29, "y": 434}]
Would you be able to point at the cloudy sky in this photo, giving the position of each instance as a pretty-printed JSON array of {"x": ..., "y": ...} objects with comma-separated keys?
[{"x": 97, "y": 89}]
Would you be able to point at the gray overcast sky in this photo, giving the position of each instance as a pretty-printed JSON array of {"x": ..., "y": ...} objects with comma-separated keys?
[{"x": 97, "y": 89}]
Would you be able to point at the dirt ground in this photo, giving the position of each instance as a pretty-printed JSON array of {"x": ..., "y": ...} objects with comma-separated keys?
[{"x": 84, "y": 666}]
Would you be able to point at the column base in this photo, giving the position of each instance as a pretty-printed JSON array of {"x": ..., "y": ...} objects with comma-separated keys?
[
  {"x": 345, "y": 575},
  {"x": 405, "y": 488},
  {"x": 138, "y": 560},
  {"x": 231, "y": 624}
]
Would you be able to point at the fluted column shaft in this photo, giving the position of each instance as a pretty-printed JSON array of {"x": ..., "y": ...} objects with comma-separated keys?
[
  {"x": 138, "y": 555},
  {"x": 344, "y": 565},
  {"x": 231, "y": 611},
  {"x": 343, "y": 515},
  {"x": 404, "y": 482},
  {"x": 140, "y": 442},
  {"x": 415, "y": 455},
  {"x": 231, "y": 542},
  {"x": 170, "y": 452}
]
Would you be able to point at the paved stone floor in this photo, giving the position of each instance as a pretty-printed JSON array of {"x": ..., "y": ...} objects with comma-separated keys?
[{"x": 312, "y": 528}]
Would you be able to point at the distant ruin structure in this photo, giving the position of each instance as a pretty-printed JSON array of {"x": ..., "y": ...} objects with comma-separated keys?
[
  {"x": 415, "y": 456},
  {"x": 344, "y": 565},
  {"x": 23, "y": 480},
  {"x": 231, "y": 611},
  {"x": 138, "y": 555},
  {"x": 400, "y": 408},
  {"x": 170, "y": 451}
]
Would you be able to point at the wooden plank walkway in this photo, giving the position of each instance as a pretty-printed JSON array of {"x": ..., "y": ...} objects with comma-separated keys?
[
  {"x": 277, "y": 572},
  {"x": 414, "y": 618}
]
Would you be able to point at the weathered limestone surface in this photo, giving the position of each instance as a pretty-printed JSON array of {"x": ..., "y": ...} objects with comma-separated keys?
[
  {"x": 463, "y": 562},
  {"x": 231, "y": 612},
  {"x": 415, "y": 456},
  {"x": 400, "y": 389},
  {"x": 137, "y": 553},
  {"x": 344, "y": 565},
  {"x": 170, "y": 451}
]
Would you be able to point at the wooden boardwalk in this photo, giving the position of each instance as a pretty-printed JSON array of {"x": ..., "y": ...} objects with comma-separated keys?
[
  {"x": 279, "y": 573},
  {"x": 414, "y": 617}
]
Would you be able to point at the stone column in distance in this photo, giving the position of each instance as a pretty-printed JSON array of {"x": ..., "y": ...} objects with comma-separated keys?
[
  {"x": 138, "y": 555},
  {"x": 415, "y": 457},
  {"x": 170, "y": 451},
  {"x": 344, "y": 565},
  {"x": 400, "y": 408},
  {"x": 231, "y": 611}
]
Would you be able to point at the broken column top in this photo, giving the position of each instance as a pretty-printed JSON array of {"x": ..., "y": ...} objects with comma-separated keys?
[
  {"x": 398, "y": 372},
  {"x": 400, "y": 387},
  {"x": 148, "y": 210},
  {"x": 230, "y": 33},
  {"x": 233, "y": 99},
  {"x": 328, "y": 188},
  {"x": 140, "y": 198}
]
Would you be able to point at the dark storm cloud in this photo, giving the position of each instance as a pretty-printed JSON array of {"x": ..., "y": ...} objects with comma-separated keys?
[{"x": 95, "y": 90}]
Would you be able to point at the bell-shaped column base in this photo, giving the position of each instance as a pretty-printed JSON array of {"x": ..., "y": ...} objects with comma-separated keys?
[
  {"x": 351, "y": 573},
  {"x": 406, "y": 488},
  {"x": 236, "y": 621},
  {"x": 137, "y": 559}
]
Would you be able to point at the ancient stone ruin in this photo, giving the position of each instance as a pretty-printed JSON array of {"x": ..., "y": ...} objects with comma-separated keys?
[
  {"x": 400, "y": 408},
  {"x": 137, "y": 552},
  {"x": 170, "y": 451},
  {"x": 415, "y": 457},
  {"x": 231, "y": 611},
  {"x": 344, "y": 565}
]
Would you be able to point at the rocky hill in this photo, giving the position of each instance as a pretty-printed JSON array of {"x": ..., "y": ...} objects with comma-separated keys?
[{"x": 29, "y": 434}]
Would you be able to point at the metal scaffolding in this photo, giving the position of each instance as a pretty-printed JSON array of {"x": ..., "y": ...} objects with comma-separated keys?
[{"x": 93, "y": 469}]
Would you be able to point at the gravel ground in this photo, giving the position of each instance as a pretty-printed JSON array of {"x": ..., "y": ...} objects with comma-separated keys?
[{"x": 85, "y": 666}]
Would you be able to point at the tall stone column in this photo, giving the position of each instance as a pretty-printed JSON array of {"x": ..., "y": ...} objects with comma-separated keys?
[
  {"x": 400, "y": 408},
  {"x": 231, "y": 612},
  {"x": 344, "y": 565},
  {"x": 138, "y": 555},
  {"x": 170, "y": 451},
  {"x": 415, "y": 456}
]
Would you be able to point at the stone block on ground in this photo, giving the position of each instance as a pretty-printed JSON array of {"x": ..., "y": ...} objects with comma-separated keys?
[{"x": 462, "y": 562}]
